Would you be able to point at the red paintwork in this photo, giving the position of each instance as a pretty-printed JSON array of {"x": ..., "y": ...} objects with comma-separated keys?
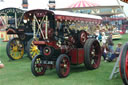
[
  {"x": 66, "y": 70},
  {"x": 47, "y": 53},
  {"x": 80, "y": 55},
  {"x": 37, "y": 12},
  {"x": 126, "y": 65},
  {"x": 50, "y": 33},
  {"x": 39, "y": 42},
  {"x": 77, "y": 55},
  {"x": 40, "y": 13},
  {"x": 52, "y": 43},
  {"x": 71, "y": 18},
  {"x": 11, "y": 31}
]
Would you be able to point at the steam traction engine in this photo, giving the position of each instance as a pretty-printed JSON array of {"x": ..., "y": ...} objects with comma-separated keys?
[
  {"x": 21, "y": 32},
  {"x": 60, "y": 44}
]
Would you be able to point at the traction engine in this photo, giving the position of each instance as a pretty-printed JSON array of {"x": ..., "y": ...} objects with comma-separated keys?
[{"x": 60, "y": 47}]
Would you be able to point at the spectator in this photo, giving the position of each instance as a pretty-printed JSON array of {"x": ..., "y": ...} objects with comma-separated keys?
[
  {"x": 104, "y": 38},
  {"x": 1, "y": 65},
  {"x": 105, "y": 51},
  {"x": 100, "y": 36},
  {"x": 116, "y": 53},
  {"x": 110, "y": 44}
]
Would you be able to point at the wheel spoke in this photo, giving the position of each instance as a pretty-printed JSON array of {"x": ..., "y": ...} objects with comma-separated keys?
[
  {"x": 38, "y": 67},
  {"x": 63, "y": 66}
]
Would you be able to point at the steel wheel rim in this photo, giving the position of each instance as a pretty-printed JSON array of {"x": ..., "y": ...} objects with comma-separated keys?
[
  {"x": 38, "y": 66},
  {"x": 126, "y": 65},
  {"x": 64, "y": 66},
  {"x": 16, "y": 49}
]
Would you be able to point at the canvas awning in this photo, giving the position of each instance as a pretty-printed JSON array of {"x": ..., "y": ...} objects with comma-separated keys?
[{"x": 82, "y": 3}]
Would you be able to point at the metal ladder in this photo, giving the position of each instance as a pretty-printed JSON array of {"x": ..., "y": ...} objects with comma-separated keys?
[{"x": 115, "y": 69}]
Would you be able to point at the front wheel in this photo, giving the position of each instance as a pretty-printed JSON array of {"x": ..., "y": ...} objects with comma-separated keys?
[
  {"x": 123, "y": 66},
  {"x": 15, "y": 49},
  {"x": 32, "y": 49},
  {"x": 37, "y": 66},
  {"x": 92, "y": 53},
  {"x": 63, "y": 66}
]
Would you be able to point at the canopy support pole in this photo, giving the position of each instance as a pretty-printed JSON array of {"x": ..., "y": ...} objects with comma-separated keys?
[
  {"x": 16, "y": 20},
  {"x": 122, "y": 9}
]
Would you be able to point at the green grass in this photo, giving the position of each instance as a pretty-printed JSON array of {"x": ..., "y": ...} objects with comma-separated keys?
[{"x": 19, "y": 72}]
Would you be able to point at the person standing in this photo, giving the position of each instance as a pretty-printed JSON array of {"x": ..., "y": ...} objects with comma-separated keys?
[
  {"x": 110, "y": 44},
  {"x": 104, "y": 38},
  {"x": 104, "y": 51}
]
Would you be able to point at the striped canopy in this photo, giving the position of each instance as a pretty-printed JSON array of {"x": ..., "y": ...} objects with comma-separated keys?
[{"x": 83, "y": 3}]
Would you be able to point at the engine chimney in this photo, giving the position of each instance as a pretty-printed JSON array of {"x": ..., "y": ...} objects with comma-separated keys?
[
  {"x": 25, "y": 4},
  {"x": 52, "y": 5}
]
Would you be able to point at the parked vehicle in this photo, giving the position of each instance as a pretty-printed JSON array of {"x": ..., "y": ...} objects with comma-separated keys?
[
  {"x": 22, "y": 42},
  {"x": 62, "y": 41}
]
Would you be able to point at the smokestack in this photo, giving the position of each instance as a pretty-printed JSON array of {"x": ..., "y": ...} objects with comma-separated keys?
[
  {"x": 25, "y": 4},
  {"x": 52, "y": 4}
]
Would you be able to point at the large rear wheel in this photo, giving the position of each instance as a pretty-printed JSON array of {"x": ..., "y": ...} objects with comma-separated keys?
[
  {"x": 37, "y": 66},
  {"x": 92, "y": 53},
  {"x": 63, "y": 66},
  {"x": 123, "y": 66},
  {"x": 15, "y": 49}
]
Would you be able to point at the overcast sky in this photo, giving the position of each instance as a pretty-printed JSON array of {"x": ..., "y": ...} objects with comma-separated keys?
[{"x": 59, "y": 3}]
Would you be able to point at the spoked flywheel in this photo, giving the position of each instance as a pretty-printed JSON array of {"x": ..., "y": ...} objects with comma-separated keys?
[
  {"x": 32, "y": 49},
  {"x": 37, "y": 66},
  {"x": 82, "y": 37},
  {"x": 15, "y": 49},
  {"x": 92, "y": 53},
  {"x": 123, "y": 66},
  {"x": 63, "y": 66}
]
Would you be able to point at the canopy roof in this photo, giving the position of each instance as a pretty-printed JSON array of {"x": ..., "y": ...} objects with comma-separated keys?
[
  {"x": 65, "y": 13},
  {"x": 42, "y": 12},
  {"x": 11, "y": 11},
  {"x": 82, "y": 3}
]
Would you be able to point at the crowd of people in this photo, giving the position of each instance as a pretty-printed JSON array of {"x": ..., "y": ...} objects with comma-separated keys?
[{"x": 107, "y": 45}]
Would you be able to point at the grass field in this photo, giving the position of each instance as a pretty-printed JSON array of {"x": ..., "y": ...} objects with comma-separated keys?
[{"x": 19, "y": 72}]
